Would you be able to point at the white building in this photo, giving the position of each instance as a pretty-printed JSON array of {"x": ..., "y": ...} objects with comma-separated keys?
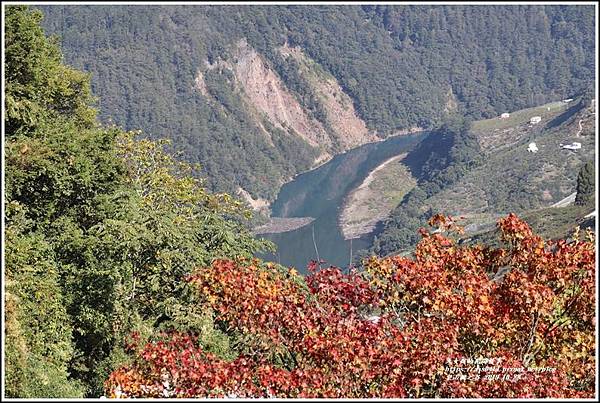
[
  {"x": 505, "y": 115},
  {"x": 536, "y": 119},
  {"x": 573, "y": 146},
  {"x": 532, "y": 148}
]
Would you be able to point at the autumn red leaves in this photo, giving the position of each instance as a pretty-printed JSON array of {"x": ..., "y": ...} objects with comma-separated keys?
[{"x": 399, "y": 328}]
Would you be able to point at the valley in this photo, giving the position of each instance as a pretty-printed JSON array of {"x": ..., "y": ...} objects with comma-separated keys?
[
  {"x": 315, "y": 200},
  {"x": 299, "y": 201},
  {"x": 509, "y": 179},
  {"x": 260, "y": 106}
]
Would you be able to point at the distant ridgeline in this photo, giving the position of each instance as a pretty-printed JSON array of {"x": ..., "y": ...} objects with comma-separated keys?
[{"x": 258, "y": 94}]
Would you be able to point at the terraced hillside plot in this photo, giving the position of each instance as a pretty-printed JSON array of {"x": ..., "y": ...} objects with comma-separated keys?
[
  {"x": 521, "y": 116},
  {"x": 501, "y": 132},
  {"x": 514, "y": 180}
]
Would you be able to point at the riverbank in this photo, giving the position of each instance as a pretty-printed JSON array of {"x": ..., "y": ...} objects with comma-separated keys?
[
  {"x": 375, "y": 197},
  {"x": 326, "y": 158},
  {"x": 277, "y": 225},
  {"x": 320, "y": 193}
]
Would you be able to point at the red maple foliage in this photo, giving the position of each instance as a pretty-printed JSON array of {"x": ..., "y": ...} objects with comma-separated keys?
[{"x": 453, "y": 321}]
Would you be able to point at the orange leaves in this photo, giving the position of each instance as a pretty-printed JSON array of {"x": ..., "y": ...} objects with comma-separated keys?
[
  {"x": 513, "y": 229},
  {"x": 388, "y": 331},
  {"x": 251, "y": 297},
  {"x": 445, "y": 223}
]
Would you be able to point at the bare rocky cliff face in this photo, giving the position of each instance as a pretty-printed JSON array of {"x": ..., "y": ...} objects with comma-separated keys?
[
  {"x": 267, "y": 97},
  {"x": 267, "y": 93},
  {"x": 348, "y": 129}
]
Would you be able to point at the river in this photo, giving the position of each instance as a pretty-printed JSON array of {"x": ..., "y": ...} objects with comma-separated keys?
[{"x": 320, "y": 194}]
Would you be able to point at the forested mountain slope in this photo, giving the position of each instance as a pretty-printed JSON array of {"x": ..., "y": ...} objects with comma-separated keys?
[{"x": 186, "y": 72}]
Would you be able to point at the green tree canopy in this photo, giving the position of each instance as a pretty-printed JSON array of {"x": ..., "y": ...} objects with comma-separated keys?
[
  {"x": 102, "y": 228},
  {"x": 586, "y": 185},
  {"x": 37, "y": 84}
]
